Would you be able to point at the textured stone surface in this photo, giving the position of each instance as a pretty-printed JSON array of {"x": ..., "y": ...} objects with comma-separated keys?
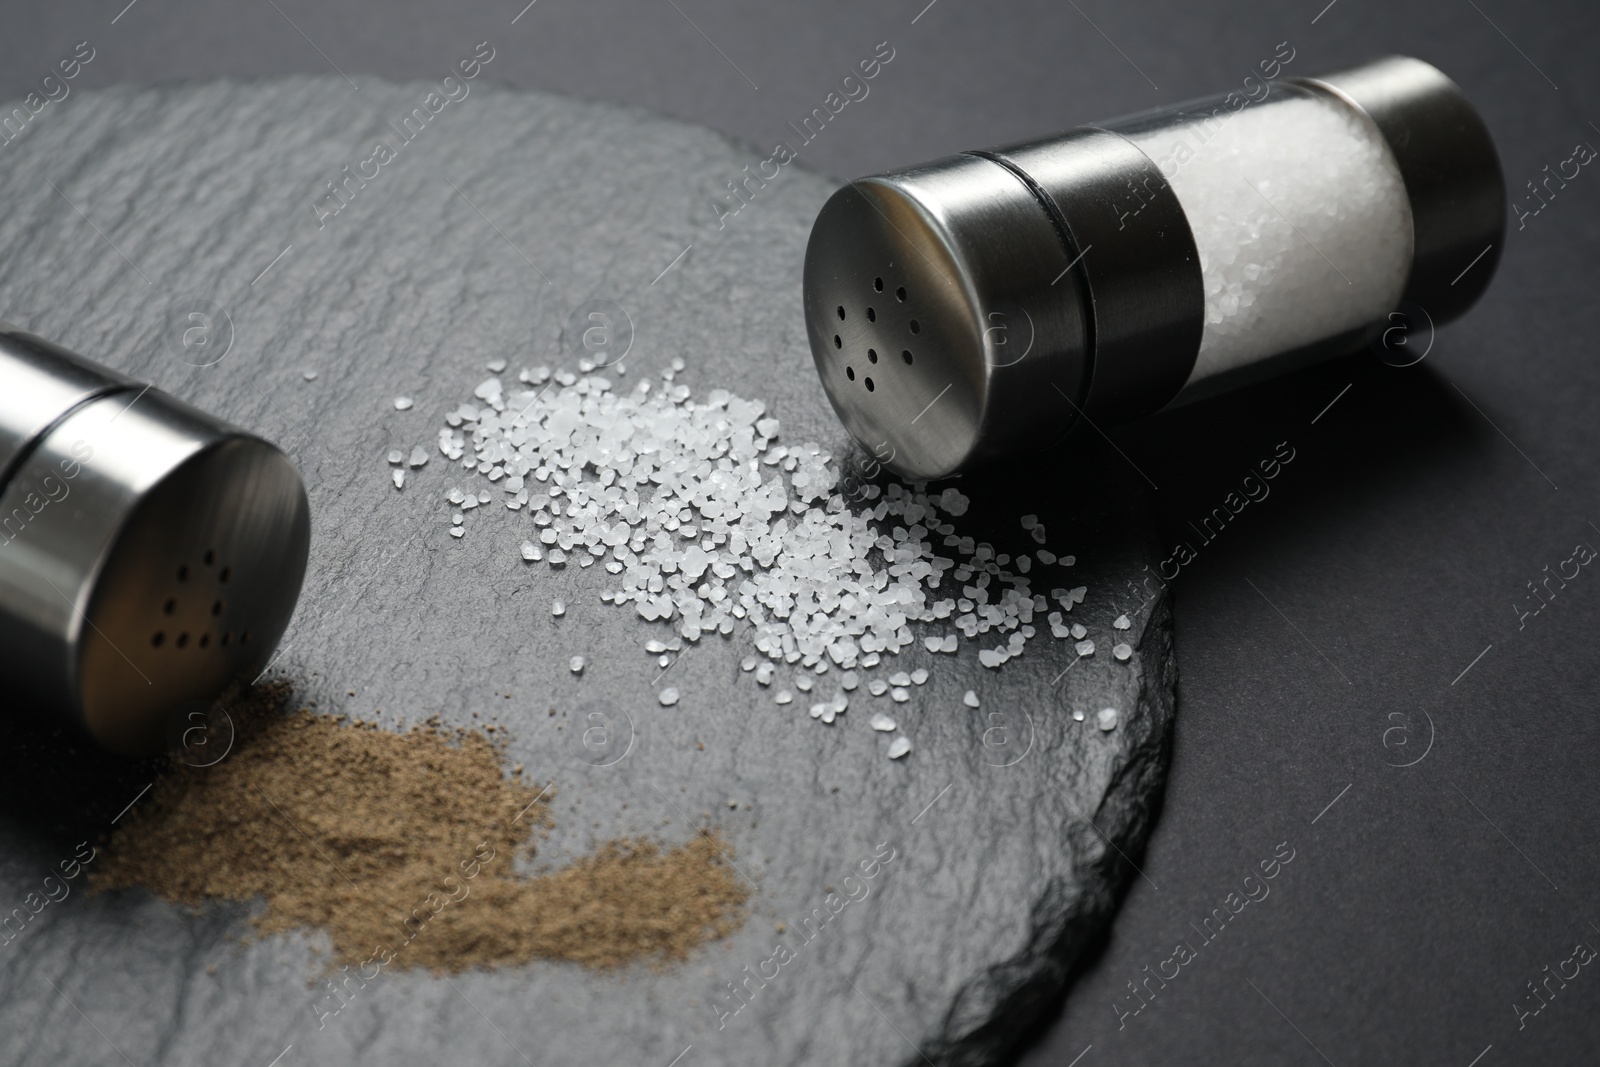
[{"x": 125, "y": 209}]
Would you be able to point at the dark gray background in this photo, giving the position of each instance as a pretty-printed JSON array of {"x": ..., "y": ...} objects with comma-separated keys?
[{"x": 1387, "y": 558}]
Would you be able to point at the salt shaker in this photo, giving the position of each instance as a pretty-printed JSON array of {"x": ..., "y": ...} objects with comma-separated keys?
[{"x": 982, "y": 306}]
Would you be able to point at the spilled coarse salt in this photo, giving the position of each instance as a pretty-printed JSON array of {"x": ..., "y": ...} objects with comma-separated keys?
[
  {"x": 877, "y": 687},
  {"x": 898, "y": 695},
  {"x": 783, "y": 697},
  {"x": 668, "y": 696},
  {"x": 881, "y": 722},
  {"x": 1077, "y": 714},
  {"x": 1106, "y": 719},
  {"x": 558, "y": 608},
  {"x": 1122, "y": 622},
  {"x": 419, "y": 457},
  {"x": 970, "y": 699},
  {"x": 899, "y": 746},
  {"x": 708, "y": 524},
  {"x": 576, "y": 664},
  {"x": 1079, "y": 631},
  {"x": 309, "y": 375},
  {"x": 402, "y": 403},
  {"x": 396, "y": 457},
  {"x": 1122, "y": 650},
  {"x": 1084, "y": 648},
  {"x": 399, "y": 479}
]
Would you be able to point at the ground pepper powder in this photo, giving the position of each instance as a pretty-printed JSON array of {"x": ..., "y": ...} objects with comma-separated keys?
[{"x": 403, "y": 847}]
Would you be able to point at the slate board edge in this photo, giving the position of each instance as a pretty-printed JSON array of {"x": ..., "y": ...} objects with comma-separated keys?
[{"x": 996, "y": 1016}]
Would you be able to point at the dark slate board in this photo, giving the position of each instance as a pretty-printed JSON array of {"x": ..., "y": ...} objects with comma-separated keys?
[{"x": 129, "y": 208}]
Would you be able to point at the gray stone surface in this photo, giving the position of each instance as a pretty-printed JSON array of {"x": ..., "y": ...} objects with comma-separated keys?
[{"x": 127, "y": 208}]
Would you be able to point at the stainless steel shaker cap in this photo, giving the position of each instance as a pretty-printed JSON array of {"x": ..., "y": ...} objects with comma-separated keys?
[
  {"x": 150, "y": 554},
  {"x": 920, "y": 295},
  {"x": 979, "y": 306}
]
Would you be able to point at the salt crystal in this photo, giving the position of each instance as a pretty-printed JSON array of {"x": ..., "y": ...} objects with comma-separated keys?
[
  {"x": 558, "y": 608},
  {"x": 919, "y": 676},
  {"x": 880, "y": 721},
  {"x": 748, "y": 663},
  {"x": 1122, "y": 622},
  {"x": 1122, "y": 650},
  {"x": 402, "y": 403},
  {"x": 396, "y": 456},
  {"x": 310, "y": 375},
  {"x": 1079, "y": 631},
  {"x": 576, "y": 663},
  {"x": 1106, "y": 719},
  {"x": 877, "y": 687},
  {"x": 1029, "y": 521},
  {"x": 850, "y": 680},
  {"x": 970, "y": 699},
  {"x": 899, "y": 747},
  {"x": 803, "y": 684},
  {"x": 497, "y": 365},
  {"x": 783, "y": 697},
  {"x": 898, "y": 695},
  {"x": 530, "y": 552},
  {"x": 900, "y": 678},
  {"x": 1085, "y": 648},
  {"x": 669, "y": 697}
]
